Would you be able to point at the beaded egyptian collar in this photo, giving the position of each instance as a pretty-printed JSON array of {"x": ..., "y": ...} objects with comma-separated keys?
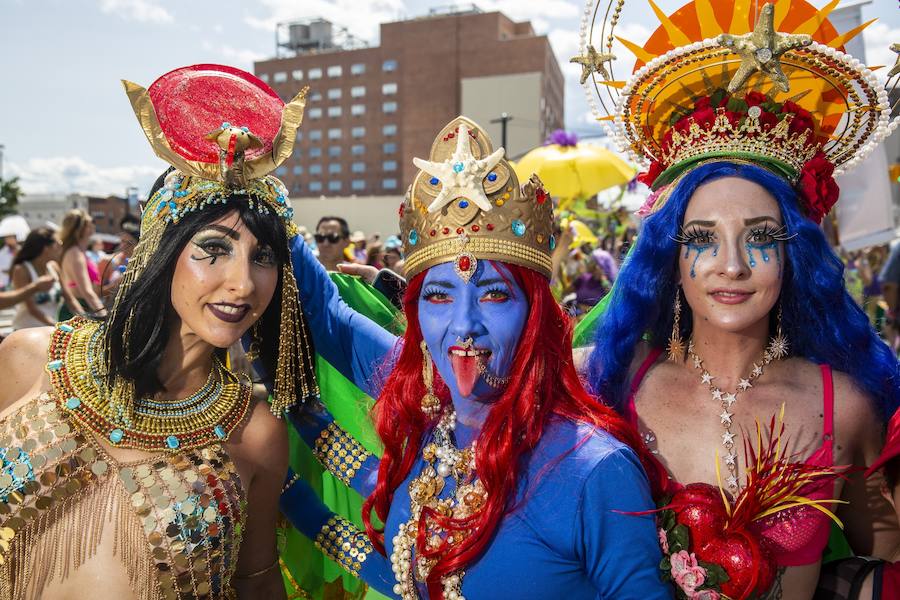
[{"x": 208, "y": 416}]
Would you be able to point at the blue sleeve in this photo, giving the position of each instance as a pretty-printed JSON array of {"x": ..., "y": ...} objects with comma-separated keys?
[
  {"x": 620, "y": 551},
  {"x": 338, "y": 452},
  {"x": 337, "y": 538},
  {"x": 355, "y": 345}
]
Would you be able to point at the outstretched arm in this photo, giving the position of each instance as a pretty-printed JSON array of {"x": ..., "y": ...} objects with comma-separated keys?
[
  {"x": 337, "y": 538},
  {"x": 352, "y": 343}
]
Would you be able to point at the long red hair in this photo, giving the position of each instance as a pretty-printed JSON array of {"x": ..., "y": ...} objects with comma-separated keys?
[{"x": 543, "y": 382}]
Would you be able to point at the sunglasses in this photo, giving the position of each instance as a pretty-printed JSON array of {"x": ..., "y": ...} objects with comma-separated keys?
[{"x": 331, "y": 238}]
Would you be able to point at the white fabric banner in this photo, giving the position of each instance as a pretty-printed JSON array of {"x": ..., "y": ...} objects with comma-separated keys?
[{"x": 864, "y": 211}]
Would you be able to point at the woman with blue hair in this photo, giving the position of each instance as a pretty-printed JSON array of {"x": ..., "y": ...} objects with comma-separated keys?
[{"x": 729, "y": 338}]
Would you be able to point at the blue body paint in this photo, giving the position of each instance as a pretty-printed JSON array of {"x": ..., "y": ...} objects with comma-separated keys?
[{"x": 699, "y": 250}]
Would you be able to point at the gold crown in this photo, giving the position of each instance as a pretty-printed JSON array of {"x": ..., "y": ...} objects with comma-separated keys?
[{"x": 465, "y": 204}]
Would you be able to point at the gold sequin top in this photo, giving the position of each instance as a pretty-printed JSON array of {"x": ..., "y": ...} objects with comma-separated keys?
[{"x": 177, "y": 518}]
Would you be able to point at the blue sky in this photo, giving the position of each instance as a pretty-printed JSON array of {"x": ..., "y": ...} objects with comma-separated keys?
[{"x": 67, "y": 126}]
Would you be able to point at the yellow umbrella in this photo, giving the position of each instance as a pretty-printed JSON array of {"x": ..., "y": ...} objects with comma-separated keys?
[{"x": 578, "y": 171}]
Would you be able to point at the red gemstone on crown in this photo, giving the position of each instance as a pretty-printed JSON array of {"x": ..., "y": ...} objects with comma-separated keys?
[
  {"x": 432, "y": 233},
  {"x": 490, "y": 226},
  {"x": 401, "y": 211},
  {"x": 445, "y": 230},
  {"x": 541, "y": 195},
  {"x": 459, "y": 230},
  {"x": 464, "y": 263},
  {"x": 476, "y": 228}
]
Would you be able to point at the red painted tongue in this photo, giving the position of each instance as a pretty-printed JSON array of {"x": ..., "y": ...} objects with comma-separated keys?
[{"x": 465, "y": 368}]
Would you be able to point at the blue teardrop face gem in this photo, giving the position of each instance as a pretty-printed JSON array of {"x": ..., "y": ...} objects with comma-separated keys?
[
  {"x": 413, "y": 237},
  {"x": 464, "y": 204},
  {"x": 73, "y": 403},
  {"x": 116, "y": 435},
  {"x": 219, "y": 431},
  {"x": 492, "y": 177},
  {"x": 552, "y": 242},
  {"x": 518, "y": 228},
  {"x": 172, "y": 442},
  {"x": 458, "y": 167},
  {"x": 434, "y": 181}
]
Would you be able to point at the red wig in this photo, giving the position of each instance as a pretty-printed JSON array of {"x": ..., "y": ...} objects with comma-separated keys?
[{"x": 543, "y": 382}]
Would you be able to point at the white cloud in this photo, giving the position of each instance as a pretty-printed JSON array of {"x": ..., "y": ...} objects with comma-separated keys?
[
  {"x": 239, "y": 57},
  {"x": 878, "y": 38},
  {"x": 537, "y": 12},
  {"x": 145, "y": 11},
  {"x": 362, "y": 19},
  {"x": 71, "y": 174}
]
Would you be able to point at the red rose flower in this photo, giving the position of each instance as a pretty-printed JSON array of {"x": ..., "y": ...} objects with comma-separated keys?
[
  {"x": 768, "y": 120},
  {"x": 755, "y": 98},
  {"x": 817, "y": 187},
  {"x": 650, "y": 175},
  {"x": 705, "y": 117},
  {"x": 702, "y": 103}
]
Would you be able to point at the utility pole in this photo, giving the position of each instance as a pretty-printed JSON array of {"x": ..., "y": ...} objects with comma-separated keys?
[{"x": 503, "y": 120}]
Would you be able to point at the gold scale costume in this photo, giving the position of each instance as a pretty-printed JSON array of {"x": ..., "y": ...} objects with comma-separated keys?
[{"x": 177, "y": 515}]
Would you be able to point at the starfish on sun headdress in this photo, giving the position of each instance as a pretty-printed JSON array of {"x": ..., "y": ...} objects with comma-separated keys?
[
  {"x": 896, "y": 68},
  {"x": 461, "y": 175},
  {"x": 761, "y": 49},
  {"x": 593, "y": 62}
]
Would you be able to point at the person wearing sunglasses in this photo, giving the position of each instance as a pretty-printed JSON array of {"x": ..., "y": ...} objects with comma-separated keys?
[{"x": 332, "y": 238}]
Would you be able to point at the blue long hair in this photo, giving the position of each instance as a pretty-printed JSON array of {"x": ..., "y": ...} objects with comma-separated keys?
[{"x": 821, "y": 321}]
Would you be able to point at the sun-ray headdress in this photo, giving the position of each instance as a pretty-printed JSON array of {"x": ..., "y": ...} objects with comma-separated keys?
[
  {"x": 224, "y": 131},
  {"x": 738, "y": 79}
]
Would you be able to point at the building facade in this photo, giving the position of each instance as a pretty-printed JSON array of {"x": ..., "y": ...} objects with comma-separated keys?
[
  {"x": 42, "y": 210},
  {"x": 371, "y": 110},
  {"x": 107, "y": 213}
]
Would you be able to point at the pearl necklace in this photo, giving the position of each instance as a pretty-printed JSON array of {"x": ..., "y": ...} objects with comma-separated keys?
[
  {"x": 443, "y": 459},
  {"x": 727, "y": 400}
]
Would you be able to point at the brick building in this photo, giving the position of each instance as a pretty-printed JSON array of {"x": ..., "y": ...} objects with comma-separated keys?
[
  {"x": 371, "y": 110},
  {"x": 107, "y": 213}
]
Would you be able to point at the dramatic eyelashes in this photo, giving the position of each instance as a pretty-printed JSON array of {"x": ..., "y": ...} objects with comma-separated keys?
[{"x": 767, "y": 233}]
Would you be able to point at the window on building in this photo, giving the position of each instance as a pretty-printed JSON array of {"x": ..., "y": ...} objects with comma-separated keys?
[
  {"x": 298, "y": 170},
  {"x": 335, "y": 71},
  {"x": 389, "y": 107},
  {"x": 357, "y": 69},
  {"x": 357, "y": 149},
  {"x": 389, "y": 184},
  {"x": 334, "y": 133},
  {"x": 281, "y": 171},
  {"x": 358, "y": 132},
  {"x": 334, "y": 151},
  {"x": 389, "y": 65},
  {"x": 389, "y": 89},
  {"x": 315, "y": 135},
  {"x": 334, "y": 186},
  {"x": 358, "y": 167},
  {"x": 358, "y": 185},
  {"x": 387, "y": 130},
  {"x": 334, "y": 111},
  {"x": 263, "y": 76},
  {"x": 315, "y": 169},
  {"x": 315, "y": 186},
  {"x": 389, "y": 148},
  {"x": 315, "y": 113},
  {"x": 358, "y": 109},
  {"x": 314, "y": 74},
  {"x": 315, "y": 152},
  {"x": 279, "y": 77},
  {"x": 296, "y": 188},
  {"x": 297, "y": 74},
  {"x": 358, "y": 91},
  {"x": 334, "y": 168},
  {"x": 334, "y": 94},
  {"x": 389, "y": 165}
]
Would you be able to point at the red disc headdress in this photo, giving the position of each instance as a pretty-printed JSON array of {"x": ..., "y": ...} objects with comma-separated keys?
[
  {"x": 224, "y": 131},
  {"x": 733, "y": 80}
]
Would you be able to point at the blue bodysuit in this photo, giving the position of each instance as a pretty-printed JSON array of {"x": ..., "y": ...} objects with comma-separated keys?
[{"x": 567, "y": 535}]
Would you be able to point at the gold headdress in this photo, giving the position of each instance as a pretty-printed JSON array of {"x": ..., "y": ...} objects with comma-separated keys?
[
  {"x": 465, "y": 204},
  {"x": 224, "y": 131},
  {"x": 726, "y": 79}
]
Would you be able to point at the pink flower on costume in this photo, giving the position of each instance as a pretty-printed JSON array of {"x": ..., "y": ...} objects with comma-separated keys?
[
  {"x": 705, "y": 595},
  {"x": 686, "y": 572},
  {"x": 663, "y": 541}
]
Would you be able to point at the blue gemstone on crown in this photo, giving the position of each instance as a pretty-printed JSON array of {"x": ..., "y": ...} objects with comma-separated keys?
[
  {"x": 116, "y": 435},
  {"x": 226, "y": 125},
  {"x": 55, "y": 365},
  {"x": 464, "y": 204},
  {"x": 219, "y": 431},
  {"x": 552, "y": 242},
  {"x": 172, "y": 442},
  {"x": 413, "y": 237},
  {"x": 66, "y": 328},
  {"x": 73, "y": 403},
  {"x": 458, "y": 167},
  {"x": 492, "y": 177},
  {"x": 518, "y": 228},
  {"x": 434, "y": 181}
]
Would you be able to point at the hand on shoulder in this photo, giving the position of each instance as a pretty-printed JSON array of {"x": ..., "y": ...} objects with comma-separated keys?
[{"x": 23, "y": 356}]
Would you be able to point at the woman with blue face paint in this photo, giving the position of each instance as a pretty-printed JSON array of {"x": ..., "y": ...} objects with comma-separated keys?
[
  {"x": 732, "y": 280},
  {"x": 500, "y": 476}
]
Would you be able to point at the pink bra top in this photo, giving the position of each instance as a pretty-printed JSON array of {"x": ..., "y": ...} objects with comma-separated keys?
[
  {"x": 92, "y": 270},
  {"x": 796, "y": 536}
]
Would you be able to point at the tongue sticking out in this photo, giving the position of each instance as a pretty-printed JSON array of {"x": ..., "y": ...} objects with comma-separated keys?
[{"x": 465, "y": 368}]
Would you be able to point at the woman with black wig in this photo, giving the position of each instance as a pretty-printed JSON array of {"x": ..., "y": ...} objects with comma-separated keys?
[{"x": 133, "y": 459}]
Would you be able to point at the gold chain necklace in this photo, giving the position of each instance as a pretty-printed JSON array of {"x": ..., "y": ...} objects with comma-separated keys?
[
  {"x": 207, "y": 416},
  {"x": 443, "y": 459},
  {"x": 727, "y": 400}
]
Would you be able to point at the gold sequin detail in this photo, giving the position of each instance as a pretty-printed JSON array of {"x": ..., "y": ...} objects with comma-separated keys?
[
  {"x": 339, "y": 453},
  {"x": 342, "y": 542}
]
